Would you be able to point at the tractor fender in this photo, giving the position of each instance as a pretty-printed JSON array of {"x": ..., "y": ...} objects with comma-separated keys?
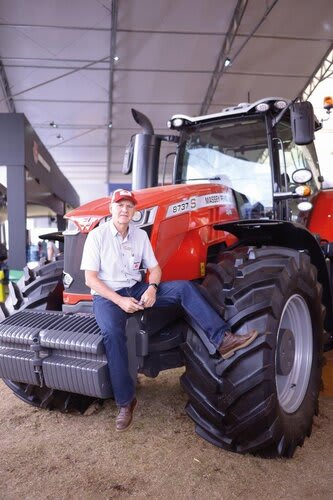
[{"x": 290, "y": 235}]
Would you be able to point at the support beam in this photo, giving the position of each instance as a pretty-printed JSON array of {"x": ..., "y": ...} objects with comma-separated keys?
[
  {"x": 323, "y": 70},
  {"x": 32, "y": 177},
  {"x": 226, "y": 48},
  {"x": 113, "y": 36},
  {"x": 6, "y": 89},
  {"x": 224, "y": 53},
  {"x": 17, "y": 215}
]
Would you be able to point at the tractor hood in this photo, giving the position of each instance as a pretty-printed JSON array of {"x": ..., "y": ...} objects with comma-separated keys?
[{"x": 177, "y": 199}]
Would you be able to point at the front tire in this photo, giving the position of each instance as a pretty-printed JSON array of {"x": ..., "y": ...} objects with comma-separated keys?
[
  {"x": 263, "y": 399},
  {"x": 39, "y": 288},
  {"x": 50, "y": 399}
]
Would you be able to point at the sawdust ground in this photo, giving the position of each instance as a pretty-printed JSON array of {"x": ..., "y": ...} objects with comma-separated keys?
[{"x": 62, "y": 456}]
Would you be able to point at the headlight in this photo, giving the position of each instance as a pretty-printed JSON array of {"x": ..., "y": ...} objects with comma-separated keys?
[
  {"x": 138, "y": 216},
  {"x": 280, "y": 104},
  {"x": 144, "y": 217},
  {"x": 176, "y": 122},
  {"x": 262, "y": 107},
  {"x": 67, "y": 280},
  {"x": 304, "y": 206},
  {"x": 303, "y": 190}
]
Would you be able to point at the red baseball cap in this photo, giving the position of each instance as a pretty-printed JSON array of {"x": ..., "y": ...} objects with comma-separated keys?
[{"x": 123, "y": 194}]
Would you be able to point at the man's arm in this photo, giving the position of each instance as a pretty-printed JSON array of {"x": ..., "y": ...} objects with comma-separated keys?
[
  {"x": 155, "y": 275},
  {"x": 127, "y": 304},
  {"x": 148, "y": 298}
]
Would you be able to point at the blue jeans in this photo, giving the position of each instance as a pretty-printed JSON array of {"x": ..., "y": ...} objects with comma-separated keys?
[{"x": 112, "y": 321}]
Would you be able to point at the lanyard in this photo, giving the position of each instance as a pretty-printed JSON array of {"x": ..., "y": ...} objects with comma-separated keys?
[{"x": 126, "y": 272}]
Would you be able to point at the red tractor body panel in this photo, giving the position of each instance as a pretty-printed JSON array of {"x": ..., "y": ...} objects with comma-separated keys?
[{"x": 321, "y": 216}]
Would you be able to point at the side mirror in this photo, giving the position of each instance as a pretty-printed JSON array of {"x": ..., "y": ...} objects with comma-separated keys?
[
  {"x": 128, "y": 158},
  {"x": 302, "y": 122},
  {"x": 302, "y": 176}
]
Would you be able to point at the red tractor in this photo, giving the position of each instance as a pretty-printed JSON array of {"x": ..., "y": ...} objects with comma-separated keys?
[{"x": 245, "y": 217}]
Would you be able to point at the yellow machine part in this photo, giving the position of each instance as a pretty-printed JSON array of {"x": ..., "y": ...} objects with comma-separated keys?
[{"x": 2, "y": 286}]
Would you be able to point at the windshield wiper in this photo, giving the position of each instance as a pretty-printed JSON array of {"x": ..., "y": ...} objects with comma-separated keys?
[{"x": 215, "y": 178}]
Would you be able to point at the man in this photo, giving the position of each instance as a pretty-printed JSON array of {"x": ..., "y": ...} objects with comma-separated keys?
[
  {"x": 52, "y": 251},
  {"x": 112, "y": 256}
]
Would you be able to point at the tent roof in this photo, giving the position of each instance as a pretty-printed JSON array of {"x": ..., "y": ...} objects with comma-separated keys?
[{"x": 171, "y": 60}]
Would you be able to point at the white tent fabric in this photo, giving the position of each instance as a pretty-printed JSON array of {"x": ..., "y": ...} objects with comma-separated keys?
[{"x": 56, "y": 55}]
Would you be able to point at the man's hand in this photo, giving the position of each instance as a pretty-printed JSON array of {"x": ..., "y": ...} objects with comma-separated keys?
[
  {"x": 148, "y": 299},
  {"x": 129, "y": 304}
]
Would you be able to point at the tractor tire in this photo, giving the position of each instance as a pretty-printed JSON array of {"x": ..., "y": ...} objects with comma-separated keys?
[
  {"x": 51, "y": 399},
  {"x": 41, "y": 288},
  {"x": 263, "y": 399}
]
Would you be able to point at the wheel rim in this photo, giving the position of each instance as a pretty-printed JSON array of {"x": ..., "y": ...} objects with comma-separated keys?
[{"x": 293, "y": 354}]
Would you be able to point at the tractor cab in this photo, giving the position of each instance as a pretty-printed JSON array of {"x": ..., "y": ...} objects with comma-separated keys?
[
  {"x": 264, "y": 151},
  {"x": 255, "y": 156}
]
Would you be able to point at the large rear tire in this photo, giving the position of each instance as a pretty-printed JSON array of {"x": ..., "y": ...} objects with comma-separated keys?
[{"x": 263, "y": 399}]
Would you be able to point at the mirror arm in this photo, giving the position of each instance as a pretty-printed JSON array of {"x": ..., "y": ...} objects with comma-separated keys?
[
  {"x": 276, "y": 120},
  {"x": 286, "y": 196}
]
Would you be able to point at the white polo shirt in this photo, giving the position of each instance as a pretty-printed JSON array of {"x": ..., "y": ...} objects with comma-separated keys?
[{"x": 117, "y": 261}]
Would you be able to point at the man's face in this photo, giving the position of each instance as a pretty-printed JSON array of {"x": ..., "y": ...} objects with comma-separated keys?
[{"x": 123, "y": 211}]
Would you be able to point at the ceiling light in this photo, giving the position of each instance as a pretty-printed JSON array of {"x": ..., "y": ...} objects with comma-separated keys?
[
  {"x": 110, "y": 125},
  {"x": 227, "y": 62},
  {"x": 60, "y": 137},
  {"x": 52, "y": 124},
  {"x": 116, "y": 58}
]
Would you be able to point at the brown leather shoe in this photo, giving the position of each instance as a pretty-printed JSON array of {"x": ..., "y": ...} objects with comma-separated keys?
[
  {"x": 125, "y": 416},
  {"x": 232, "y": 343}
]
